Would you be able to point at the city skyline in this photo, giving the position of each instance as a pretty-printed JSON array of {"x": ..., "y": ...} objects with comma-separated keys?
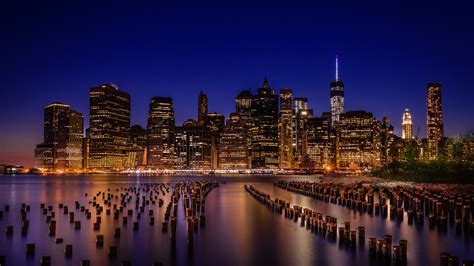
[{"x": 299, "y": 56}]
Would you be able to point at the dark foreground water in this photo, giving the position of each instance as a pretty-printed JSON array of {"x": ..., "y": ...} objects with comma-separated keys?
[{"x": 239, "y": 230}]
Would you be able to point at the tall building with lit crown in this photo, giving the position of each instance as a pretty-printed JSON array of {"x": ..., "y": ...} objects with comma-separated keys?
[
  {"x": 202, "y": 107},
  {"x": 434, "y": 119},
  {"x": 286, "y": 128},
  {"x": 233, "y": 146},
  {"x": 109, "y": 127},
  {"x": 337, "y": 97},
  {"x": 357, "y": 141},
  {"x": 160, "y": 134},
  {"x": 301, "y": 117},
  {"x": 63, "y": 132},
  {"x": 407, "y": 128},
  {"x": 264, "y": 132}
]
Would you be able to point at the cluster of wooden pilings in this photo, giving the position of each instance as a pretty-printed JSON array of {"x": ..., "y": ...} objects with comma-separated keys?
[
  {"x": 327, "y": 226},
  {"x": 440, "y": 207},
  {"x": 126, "y": 203},
  {"x": 416, "y": 204}
]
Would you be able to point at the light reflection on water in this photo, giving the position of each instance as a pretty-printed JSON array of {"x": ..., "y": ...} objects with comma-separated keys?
[{"x": 239, "y": 230}]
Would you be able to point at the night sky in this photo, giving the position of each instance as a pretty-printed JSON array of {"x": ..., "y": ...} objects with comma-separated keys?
[{"x": 55, "y": 51}]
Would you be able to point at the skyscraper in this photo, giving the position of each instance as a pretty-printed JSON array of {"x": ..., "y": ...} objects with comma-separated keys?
[
  {"x": 233, "y": 146},
  {"x": 301, "y": 103},
  {"x": 357, "y": 140},
  {"x": 74, "y": 140},
  {"x": 202, "y": 107},
  {"x": 320, "y": 142},
  {"x": 215, "y": 122},
  {"x": 407, "y": 129},
  {"x": 109, "y": 127},
  {"x": 286, "y": 128},
  {"x": 63, "y": 132},
  {"x": 160, "y": 133},
  {"x": 387, "y": 139},
  {"x": 337, "y": 97},
  {"x": 243, "y": 107},
  {"x": 434, "y": 119},
  {"x": 265, "y": 128},
  {"x": 137, "y": 152},
  {"x": 193, "y": 146}
]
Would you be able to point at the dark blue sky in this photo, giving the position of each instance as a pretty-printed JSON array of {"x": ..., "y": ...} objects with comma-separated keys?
[{"x": 55, "y": 51}]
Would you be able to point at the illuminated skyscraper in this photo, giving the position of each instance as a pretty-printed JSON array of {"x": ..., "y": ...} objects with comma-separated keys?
[
  {"x": 215, "y": 122},
  {"x": 320, "y": 142},
  {"x": 387, "y": 139},
  {"x": 265, "y": 128},
  {"x": 63, "y": 133},
  {"x": 233, "y": 146},
  {"x": 286, "y": 128},
  {"x": 337, "y": 97},
  {"x": 193, "y": 146},
  {"x": 407, "y": 129},
  {"x": 434, "y": 119},
  {"x": 357, "y": 140},
  {"x": 243, "y": 107},
  {"x": 160, "y": 134},
  {"x": 109, "y": 127},
  {"x": 202, "y": 107},
  {"x": 300, "y": 103},
  {"x": 137, "y": 152}
]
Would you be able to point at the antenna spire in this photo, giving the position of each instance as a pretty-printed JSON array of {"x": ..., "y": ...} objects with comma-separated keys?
[{"x": 337, "y": 67}]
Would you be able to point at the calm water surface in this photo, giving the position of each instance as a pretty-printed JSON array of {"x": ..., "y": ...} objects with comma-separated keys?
[{"x": 239, "y": 230}]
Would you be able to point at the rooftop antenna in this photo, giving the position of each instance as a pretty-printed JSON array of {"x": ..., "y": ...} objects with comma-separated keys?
[{"x": 337, "y": 67}]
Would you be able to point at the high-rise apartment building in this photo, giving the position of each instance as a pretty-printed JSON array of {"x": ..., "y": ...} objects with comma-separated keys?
[
  {"x": 160, "y": 134},
  {"x": 109, "y": 127},
  {"x": 434, "y": 119}
]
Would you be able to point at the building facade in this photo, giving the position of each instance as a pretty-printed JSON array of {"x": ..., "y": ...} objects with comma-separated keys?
[
  {"x": 337, "y": 97},
  {"x": 320, "y": 142},
  {"x": 109, "y": 127},
  {"x": 264, "y": 132},
  {"x": 357, "y": 141},
  {"x": 286, "y": 126},
  {"x": 407, "y": 128},
  {"x": 160, "y": 134},
  {"x": 233, "y": 146},
  {"x": 62, "y": 144},
  {"x": 434, "y": 119},
  {"x": 193, "y": 146},
  {"x": 202, "y": 107}
]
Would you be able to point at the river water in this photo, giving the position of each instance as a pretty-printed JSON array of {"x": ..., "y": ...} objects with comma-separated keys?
[{"x": 239, "y": 230}]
